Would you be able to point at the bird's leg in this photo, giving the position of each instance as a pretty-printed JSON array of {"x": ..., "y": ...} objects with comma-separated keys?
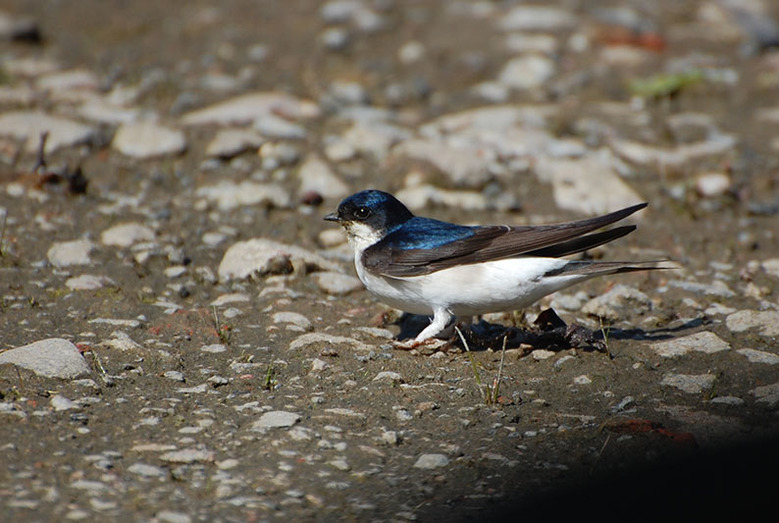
[{"x": 441, "y": 319}]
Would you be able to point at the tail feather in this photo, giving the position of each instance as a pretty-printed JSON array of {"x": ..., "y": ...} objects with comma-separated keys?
[{"x": 599, "y": 268}]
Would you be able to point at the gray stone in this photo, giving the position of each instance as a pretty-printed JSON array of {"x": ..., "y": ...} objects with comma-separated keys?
[
  {"x": 573, "y": 179},
  {"x": 431, "y": 461},
  {"x": 766, "y": 321},
  {"x": 537, "y": 18},
  {"x": 706, "y": 342},
  {"x": 29, "y": 126},
  {"x": 53, "y": 358},
  {"x": 248, "y": 108},
  {"x": 329, "y": 340},
  {"x": 88, "y": 282},
  {"x": 767, "y": 394},
  {"x": 315, "y": 175},
  {"x": 759, "y": 356},
  {"x": 263, "y": 256},
  {"x": 231, "y": 142},
  {"x": 147, "y": 140},
  {"x": 147, "y": 471},
  {"x": 336, "y": 283},
  {"x": 527, "y": 72},
  {"x": 126, "y": 234},
  {"x": 465, "y": 165},
  {"x": 292, "y": 318},
  {"x": 65, "y": 254},
  {"x": 618, "y": 302},
  {"x": 59, "y": 403},
  {"x": 691, "y": 384},
  {"x": 389, "y": 377},
  {"x": 229, "y": 195},
  {"x": 188, "y": 456},
  {"x": 275, "y": 419}
]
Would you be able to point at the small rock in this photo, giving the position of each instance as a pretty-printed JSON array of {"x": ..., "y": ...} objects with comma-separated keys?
[
  {"x": 315, "y": 175},
  {"x": 767, "y": 394},
  {"x": 621, "y": 300},
  {"x": 247, "y": 108},
  {"x": 336, "y": 283},
  {"x": 527, "y": 72},
  {"x": 431, "y": 461},
  {"x": 65, "y": 254},
  {"x": 292, "y": 318},
  {"x": 52, "y": 358},
  {"x": 706, "y": 342},
  {"x": 275, "y": 419},
  {"x": 329, "y": 340},
  {"x": 59, "y": 403},
  {"x": 231, "y": 142},
  {"x": 390, "y": 377},
  {"x": 126, "y": 234},
  {"x": 759, "y": 356},
  {"x": 766, "y": 321},
  {"x": 537, "y": 18},
  {"x": 229, "y": 195},
  {"x": 29, "y": 126},
  {"x": 692, "y": 384},
  {"x": 261, "y": 256},
  {"x": 88, "y": 282},
  {"x": 147, "y": 140},
  {"x": 188, "y": 456},
  {"x": 147, "y": 471},
  {"x": 711, "y": 185}
]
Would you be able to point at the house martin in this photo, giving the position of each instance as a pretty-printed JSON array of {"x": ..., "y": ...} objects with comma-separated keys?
[{"x": 431, "y": 267}]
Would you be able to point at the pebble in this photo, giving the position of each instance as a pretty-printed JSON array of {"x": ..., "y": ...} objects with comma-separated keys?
[
  {"x": 389, "y": 377},
  {"x": 759, "y": 356},
  {"x": 766, "y": 321},
  {"x": 711, "y": 185},
  {"x": 188, "y": 456},
  {"x": 691, "y": 384},
  {"x": 537, "y": 18},
  {"x": 231, "y": 142},
  {"x": 147, "y": 471},
  {"x": 706, "y": 342},
  {"x": 420, "y": 197},
  {"x": 66, "y": 254},
  {"x": 29, "y": 126},
  {"x": 248, "y": 108},
  {"x": 292, "y": 318},
  {"x": 259, "y": 255},
  {"x": 431, "y": 461},
  {"x": 620, "y": 301},
  {"x": 316, "y": 176},
  {"x": 126, "y": 235},
  {"x": 88, "y": 282},
  {"x": 767, "y": 394},
  {"x": 275, "y": 419},
  {"x": 463, "y": 164},
  {"x": 573, "y": 179},
  {"x": 52, "y": 358},
  {"x": 318, "y": 338},
  {"x": 145, "y": 140},
  {"x": 527, "y": 72},
  {"x": 229, "y": 195},
  {"x": 59, "y": 403},
  {"x": 335, "y": 283}
]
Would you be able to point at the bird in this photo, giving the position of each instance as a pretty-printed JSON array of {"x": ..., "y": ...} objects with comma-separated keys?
[{"x": 431, "y": 267}]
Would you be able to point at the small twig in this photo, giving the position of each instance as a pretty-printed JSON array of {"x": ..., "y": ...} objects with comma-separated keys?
[
  {"x": 473, "y": 362},
  {"x": 496, "y": 381},
  {"x": 40, "y": 162}
]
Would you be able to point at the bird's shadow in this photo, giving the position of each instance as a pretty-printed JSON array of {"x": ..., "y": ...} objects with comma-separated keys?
[{"x": 548, "y": 332}]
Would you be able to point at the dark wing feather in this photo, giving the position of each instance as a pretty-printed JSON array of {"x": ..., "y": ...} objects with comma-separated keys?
[{"x": 395, "y": 256}]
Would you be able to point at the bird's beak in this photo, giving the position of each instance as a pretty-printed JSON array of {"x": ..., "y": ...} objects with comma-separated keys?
[{"x": 332, "y": 217}]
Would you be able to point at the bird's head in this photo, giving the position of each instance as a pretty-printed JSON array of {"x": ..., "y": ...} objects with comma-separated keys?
[{"x": 367, "y": 216}]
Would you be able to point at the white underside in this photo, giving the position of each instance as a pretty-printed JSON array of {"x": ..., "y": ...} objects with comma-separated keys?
[{"x": 466, "y": 290}]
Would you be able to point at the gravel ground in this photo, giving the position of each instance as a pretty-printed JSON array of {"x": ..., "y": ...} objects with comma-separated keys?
[{"x": 183, "y": 338}]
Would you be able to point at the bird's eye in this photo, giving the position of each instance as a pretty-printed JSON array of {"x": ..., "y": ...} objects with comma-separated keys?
[{"x": 362, "y": 212}]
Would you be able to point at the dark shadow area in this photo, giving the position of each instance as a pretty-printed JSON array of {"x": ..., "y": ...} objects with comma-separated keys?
[
  {"x": 548, "y": 332},
  {"x": 739, "y": 482}
]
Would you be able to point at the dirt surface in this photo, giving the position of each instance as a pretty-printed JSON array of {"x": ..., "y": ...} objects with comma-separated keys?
[{"x": 165, "y": 426}]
